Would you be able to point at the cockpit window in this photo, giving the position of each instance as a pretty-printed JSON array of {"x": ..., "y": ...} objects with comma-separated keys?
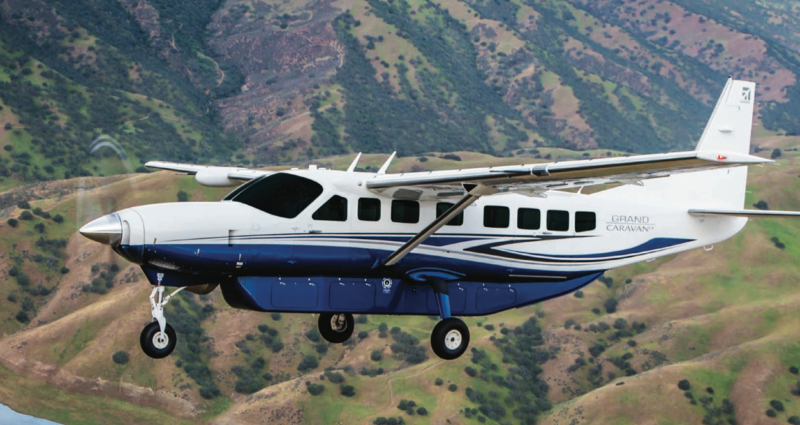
[{"x": 283, "y": 195}]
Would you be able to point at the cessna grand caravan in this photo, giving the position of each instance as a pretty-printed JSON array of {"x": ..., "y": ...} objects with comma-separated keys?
[{"x": 466, "y": 242}]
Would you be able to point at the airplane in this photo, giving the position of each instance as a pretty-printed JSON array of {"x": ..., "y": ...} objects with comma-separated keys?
[{"x": 465, "y": 242}]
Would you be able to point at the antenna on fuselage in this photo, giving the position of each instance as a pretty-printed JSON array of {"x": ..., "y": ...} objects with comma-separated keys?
[
  {"x": 352, "y": 166},
  {"x": 385, "y": 165}
]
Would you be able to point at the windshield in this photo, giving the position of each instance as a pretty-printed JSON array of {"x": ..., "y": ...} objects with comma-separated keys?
[{"x": 283, "y": 195}]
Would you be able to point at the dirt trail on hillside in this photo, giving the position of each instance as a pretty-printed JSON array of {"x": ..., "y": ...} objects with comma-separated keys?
[{"x": 391, "y": 391}]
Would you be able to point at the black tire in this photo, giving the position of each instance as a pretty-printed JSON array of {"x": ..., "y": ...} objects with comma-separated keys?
[
  {"x": 149, "y": 333},
  {"x": 332, "y": 334},
  {"x": 447, "y": 332}
]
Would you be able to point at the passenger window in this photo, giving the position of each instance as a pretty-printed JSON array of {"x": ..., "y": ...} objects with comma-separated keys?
[
  {"x": 333, "y": 210},
  {"x": 369, "y": 209},
  {"x": 558, "y": 220},
  {"x": 529, "y": 219},
  {"x": 442, "y": 207},
  {"x": 405, "y": 211},
  {"x": 585, "y": 221},
  {"x": 497, "y": 217}
]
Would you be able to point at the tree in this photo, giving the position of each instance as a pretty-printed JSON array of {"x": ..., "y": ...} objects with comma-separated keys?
[
  {"x": 761, "y": 204},
  {"x": 439, "y": 382},
  {"x": 376, "y": 355},
  {"x": 58, "y": 218},
  {"x": 610, "y": 305},
  {"x": 776, "y": 153},
  {"x": 347, "y": 390},
  {"x": 13, "y": 222},
  {"x": 453, "y": 388},
  {"x": 26, "y": 215},
  {"x": 684, "y": 385},
  {"x": 309, "y": 362},
  {"x": 8, "y": 126},
  {"x": 120, "y": 357},
  {"x": 777, "y": 405},
  {"x": 315, "y": 389},
  {"x": 276, "y": 316},
  {"x": 182, "y": 196}
]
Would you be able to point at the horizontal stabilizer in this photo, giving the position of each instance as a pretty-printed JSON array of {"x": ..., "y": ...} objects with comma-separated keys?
[{"x": 745, "y": 213}]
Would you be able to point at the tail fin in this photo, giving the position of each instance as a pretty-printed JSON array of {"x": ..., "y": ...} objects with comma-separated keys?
[
  {"x": 732, "y": 120},
  {"x": 728, "y": 130}
]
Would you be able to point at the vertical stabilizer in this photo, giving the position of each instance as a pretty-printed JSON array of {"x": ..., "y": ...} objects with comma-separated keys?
[
  {"x": 732, "y": 120},
  {"x": 728, "y": 130}
]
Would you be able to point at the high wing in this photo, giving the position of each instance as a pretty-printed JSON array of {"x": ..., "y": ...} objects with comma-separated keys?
[
  {"x": 539, "y": 178},
  {"x": 208, "y": 175}
]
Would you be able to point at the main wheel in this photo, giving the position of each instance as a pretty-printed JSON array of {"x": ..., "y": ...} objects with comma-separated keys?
[
  {"x": 154, "y": 343},
  {"x": 336, "y": 328},
  {"x": 450, "y": 338}
]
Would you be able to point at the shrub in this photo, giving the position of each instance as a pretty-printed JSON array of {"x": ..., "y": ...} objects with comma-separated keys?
[
  {"x": 13, "y": 222},
  {"x": 631, "y": 343},
  {"x": 376, "y": 355},
  {"x": 422, "y": 411},
  {"x": 610, "y": 305},
  {"x": 489, "y": 327},
  {"x": 58, "y": 218},
  {"x": 259, "y": 363},
  {"x": 26, "y": 215},
  {"x": 471, "y": 371},
  {"x": 347, "y": 390},
  {"x": 762, "y": 205},
  {"x": 315, "y": 389},
  {"x": 313, "y": 334},
  {"x": 24, "y": 205},
  {"x": 309, "y": 362},
  {"x": 439, "y": 382},
  {"x": 794, "y": 420},
  {"x": 22, "y": 317},
  {"x": 120, "y": 357},
  {"x": 363, "y": 334},
  {"x": 684, "y": 385},
  {"x": 776, "y": 153},
  {"x": 276, "y": 316},
  {"x": 361, "y": 319},
  {"x": 64, "y": 270},
  {"x": 794, "y": 370},
  {"x": 777, "y": 405},
  {"x": 596, "y": 311},
  {"x": 578, "y": 294},
  {"x": 771, "y": 413},
  {"x": 596, "y": 350},
  {"x": 11, "y": 298},
  {"x": 334, "y": 377},
  {"x": 453, "y": 388}
]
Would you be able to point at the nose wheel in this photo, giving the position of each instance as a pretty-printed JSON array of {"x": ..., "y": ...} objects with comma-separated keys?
[
  {"x": 157, "y": 344},
  {"x": 336, "y": 328},
  {"x": 158, "y": 338}
]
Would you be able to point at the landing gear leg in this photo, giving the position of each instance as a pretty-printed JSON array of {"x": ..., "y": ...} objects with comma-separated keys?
[
  {"x": 336, "y": 328},
  {"x": 158, "y": 339},
  {"x": 450, "y": 337}
]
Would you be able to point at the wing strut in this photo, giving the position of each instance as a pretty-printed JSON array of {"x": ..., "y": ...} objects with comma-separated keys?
[{"x": 471, "y": 196}]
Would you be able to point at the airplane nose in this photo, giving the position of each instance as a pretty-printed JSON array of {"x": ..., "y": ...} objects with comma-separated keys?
[{"x": 106, "y": 230}]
